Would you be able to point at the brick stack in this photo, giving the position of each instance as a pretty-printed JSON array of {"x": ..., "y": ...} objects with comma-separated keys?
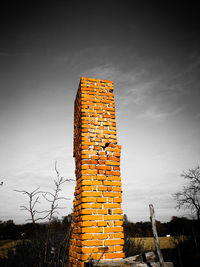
[{"x": 97, "y": 232}]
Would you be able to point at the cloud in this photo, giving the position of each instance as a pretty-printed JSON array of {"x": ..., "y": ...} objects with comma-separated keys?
[
  {"x": 138, "y": 86},
  {"x": 23, "y": 54},
  {"x": 154, "y": 114},
  {"x": 198, "y": 116},
  {"x": 29, "y": 182}
]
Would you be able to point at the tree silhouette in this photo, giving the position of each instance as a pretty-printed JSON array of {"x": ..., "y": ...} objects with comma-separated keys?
[
  {"x": 50, "y": 251},
  {"x": 189, "y": 196}
]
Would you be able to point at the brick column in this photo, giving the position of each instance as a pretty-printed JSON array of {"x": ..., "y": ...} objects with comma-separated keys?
[{"x": 97, "y": 231}]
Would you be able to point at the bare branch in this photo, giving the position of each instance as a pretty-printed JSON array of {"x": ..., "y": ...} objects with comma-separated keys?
[
  {"x": 189, "y": 196},
  {"x": 36, "y": 215}
]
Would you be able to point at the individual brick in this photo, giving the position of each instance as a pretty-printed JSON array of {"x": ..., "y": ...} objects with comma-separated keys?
[
  {"x": 113, "y": 242},
  {"x": 92, "y": 230},
  {"x": 102, "y": 223},
  {"x": 102, "y": 236},
  {"x": 113, "y": 229},
  {"x": 92, "y": 243},
  {"x": 114, "y": 255}
]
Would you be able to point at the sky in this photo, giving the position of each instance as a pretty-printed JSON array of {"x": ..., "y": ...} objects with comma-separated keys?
[{"x": 151, "y": 51}]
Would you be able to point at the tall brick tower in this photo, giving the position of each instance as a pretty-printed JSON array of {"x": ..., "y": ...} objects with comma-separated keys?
[{"x": 97, "y": 231}]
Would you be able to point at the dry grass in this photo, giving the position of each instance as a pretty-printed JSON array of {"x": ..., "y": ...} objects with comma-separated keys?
[
  {"x": 146, "y": 242},
  {"x": 165, "y": 242},
  {"x": 5, "y": 245}
]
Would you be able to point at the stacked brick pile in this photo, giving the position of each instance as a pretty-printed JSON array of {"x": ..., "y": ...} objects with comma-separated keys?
[{"x": 97, "y": 231}]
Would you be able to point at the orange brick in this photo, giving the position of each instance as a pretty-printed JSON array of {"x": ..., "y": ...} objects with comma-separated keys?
[
  {"x": 86, "y": 157},
  {"x": 96, "y": 205},
  {"x": 113, "y": 229},
  {"x": 88, "y": 199},
  {"x": 118, "y": 223},
  {"x": 111, "y": 248},
  {"x": 112, "y": 194},
  {"x": 119, "y": 248},
  {"x": 99, "y": 167},
  {"x": 117, "y": 188},
  {"x": 112, "y": 173},
  {"x": 111, "y": 236},
  {"x": 116, "y": 178},
  {"x": 97, "y": 148},
  {"x": 94, "y": 157},
  {"x": 85, "y": 205},
  {"x": 101, "y": 177},
  {"x": 95, "y": 256},
  {"x": 112, "y": 183},
  {"x": 102, "y": 211},
  {"x": 92, "y": 230},
  {"x": 116, "y": 154},
  {"x": 88, "y": 152},
  {"x": 117, "y": 211},
  {"x": 117, "y": 200},
  {"x": 90, "y": 223},
  {"x": 113, "y": 242},
  {"x": 113, "y": 217},
  {"x": 86, "y": 211},
  {"x": 91, "y": 217},
  {"x": 86, "y": 236},
  {"x": 89, "y": 171},
  {"x": 102, "y": 199},
  {"x": 103, "y": 157},
  {"x": 110, "y": 205},
  {"x": 91, "y": 183},
  {"x": 91, "y": 194},
  {"x": 102, "y": 188},
  {"x": 89, "y": 250},
  {"x": 102, "y": 236},
  {"x": 84, "y": 147},
  {"x": 102, "y": 223},
  {"x": 110, "y": 223},
  {"x": 86, "y": 188},
  {"x": 119, "y": 235},
  {"x": 102, "y": 153},
  {"x": 114, "y": 255},
  {"x": 109, "y": 162},
  {"x": 92, "y": 243},
  {"x": 116, "y": 168},
  {"x": 86, "y": 177}
]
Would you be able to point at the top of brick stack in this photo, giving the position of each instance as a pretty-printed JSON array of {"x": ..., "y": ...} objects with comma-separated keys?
[{"x": 95, "y": 80}]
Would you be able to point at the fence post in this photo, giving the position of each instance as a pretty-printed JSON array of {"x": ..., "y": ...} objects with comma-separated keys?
[{"x": 155, "y": 235}]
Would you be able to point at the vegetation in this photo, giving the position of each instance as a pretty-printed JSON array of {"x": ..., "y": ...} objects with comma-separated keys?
[
  {"x": 45, "y": 244},
  {"x": 182, "y": 246},
  {"x": 176, "y": 227},
  {"x": 22, "y": 243},
  {"x": 183, "y": 241},
  {"x": 189, "y": 196}
]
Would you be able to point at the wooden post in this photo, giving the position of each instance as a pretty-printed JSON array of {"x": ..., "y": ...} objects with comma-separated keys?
[{"x": 155, "y": 235}]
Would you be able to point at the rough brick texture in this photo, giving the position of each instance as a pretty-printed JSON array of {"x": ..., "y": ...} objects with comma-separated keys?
[{"x": 97, "y": 231}]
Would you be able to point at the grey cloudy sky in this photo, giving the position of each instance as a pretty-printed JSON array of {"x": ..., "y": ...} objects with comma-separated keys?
[{"x": 150, "y": 49}]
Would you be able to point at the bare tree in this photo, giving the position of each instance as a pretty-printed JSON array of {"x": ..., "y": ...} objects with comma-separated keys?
[
  {"x": 189, "y": 196},
  {"x": 44, "y": 244}
]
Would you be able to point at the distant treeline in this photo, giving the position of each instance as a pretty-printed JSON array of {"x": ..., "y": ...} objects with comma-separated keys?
[
  {"x": 10, "y": 230},
  {"x": 176, "y": 227}
]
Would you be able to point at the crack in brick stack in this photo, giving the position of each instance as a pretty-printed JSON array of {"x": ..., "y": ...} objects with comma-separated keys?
[{"x": 97, "y": 231}]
